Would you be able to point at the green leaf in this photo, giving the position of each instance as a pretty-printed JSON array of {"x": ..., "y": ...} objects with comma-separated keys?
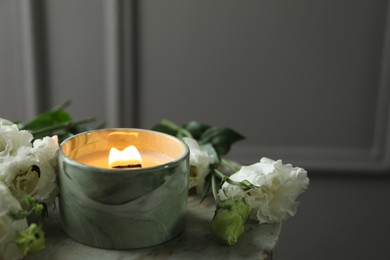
[
  {"x": 169, "y": 127},
  {"x": 62, "y": 130},
  {"x": 56, "y": 122},
  {"x": 206, "y": 187},
  {"x": 220, "y": 138},
  {"x": 196, "y": 129},
  {"x": 48, "y": 119},
  {"x": 163, "y": 128}
]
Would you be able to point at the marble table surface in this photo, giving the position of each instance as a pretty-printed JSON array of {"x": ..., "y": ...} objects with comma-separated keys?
[{"x": 195, "y": 242}]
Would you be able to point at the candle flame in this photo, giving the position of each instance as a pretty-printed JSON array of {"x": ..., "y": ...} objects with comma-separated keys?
[{"x": 127, "y": 158}]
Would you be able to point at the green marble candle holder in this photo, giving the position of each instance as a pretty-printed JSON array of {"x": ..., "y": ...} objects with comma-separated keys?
[{"x": 123, "y": 208}]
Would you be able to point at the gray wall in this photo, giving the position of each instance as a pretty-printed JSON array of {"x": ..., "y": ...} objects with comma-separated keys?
[
  {"x": 302, "y": 80},
  {"x": 306, "y": 81},
  {"x": 11, "y": 98}
]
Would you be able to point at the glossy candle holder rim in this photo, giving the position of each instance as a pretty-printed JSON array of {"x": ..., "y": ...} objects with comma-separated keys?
[{"x": 110, "y": 171}]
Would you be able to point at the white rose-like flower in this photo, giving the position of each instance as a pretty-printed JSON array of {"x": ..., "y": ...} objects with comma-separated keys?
[
  {"x": 8, "y": 203},
  {"x": 46, "y": 149},
  {"x": 9, "y": 228},
  {"x": 11, "y": 139},
  {"x": 5, "y": 122},
  {"x": 200, "y": 159},
  {"x": 32, "y": 171},
  {"x": 277, "y": 187}
]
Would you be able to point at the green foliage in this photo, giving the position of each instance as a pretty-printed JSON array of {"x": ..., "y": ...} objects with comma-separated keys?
[
  {"x": 220, "y": 138},
  {"x": 216, "y": 139},
  {"x": 56, "y": 122},
  {"x": 196, "y": 129},
  {"x": 32, "y": 207},
  {"x": 49, "y": 118},
  {"x": 168, "y": 127}
]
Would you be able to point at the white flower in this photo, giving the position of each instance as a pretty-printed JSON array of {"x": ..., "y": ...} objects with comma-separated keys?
[
  {"x": 9, "y": 228},
  {"x": 46, "y": 149},
  {"x": 277, "y": 187},
  {"x": 200, "y": 159},
  {"x": 5, "y": 122},
  {"x": 27, "y": 169},
  {"x": 8, "y": 203},
  {"x": 11, "y": 139},
  {"x": 32, "y": 171}
]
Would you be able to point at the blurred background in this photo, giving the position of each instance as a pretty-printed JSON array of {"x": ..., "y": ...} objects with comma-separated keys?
[{"x": 306, "y": 81}]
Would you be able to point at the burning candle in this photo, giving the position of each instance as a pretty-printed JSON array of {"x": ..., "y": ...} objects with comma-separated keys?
[
  {"x": 137, "y": 197},
  {"x": 129, "y": 157}
]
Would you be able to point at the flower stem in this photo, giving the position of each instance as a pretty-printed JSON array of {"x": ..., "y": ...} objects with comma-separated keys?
[
  {"x": 62, "y": 106},
  {"x": 214, "y": 189},
  {"x": 67, "y": 125},
  {"x": 245, "y": 185},
  {"x": 226, "y": 178},
  {"x": 180, "y": 131},
  {"x": 229, "y": 165},
  {"x": 184, "y": 133}
]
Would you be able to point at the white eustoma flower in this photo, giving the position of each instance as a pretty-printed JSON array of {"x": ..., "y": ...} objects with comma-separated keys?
[
  {"x": 11, "y": 139},
  {"x": 8, "y": 203},
  {"x": 277, "y": 187},
  {"x": 46, "y": 149},
  {"x": 9, "y": 228},
  {"x": 5, "y": 122},
  {"x": 201, "y": 157},
  {"x": 32, "y": 171}
]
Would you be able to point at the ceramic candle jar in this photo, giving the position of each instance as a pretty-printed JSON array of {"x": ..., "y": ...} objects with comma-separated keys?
[{"x": 127, "y": 207}]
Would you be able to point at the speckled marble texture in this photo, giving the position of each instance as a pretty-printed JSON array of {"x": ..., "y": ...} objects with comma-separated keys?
[{"x": 195, "y": 242}]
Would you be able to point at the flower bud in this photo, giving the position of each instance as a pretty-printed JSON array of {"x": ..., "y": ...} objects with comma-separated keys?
[
  {"x": 31, "y": 240},
  {"x": 229, "y": 220}
]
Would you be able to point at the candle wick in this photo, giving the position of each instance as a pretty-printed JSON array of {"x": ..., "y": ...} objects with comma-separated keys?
[{"x": 128, "y": 166}]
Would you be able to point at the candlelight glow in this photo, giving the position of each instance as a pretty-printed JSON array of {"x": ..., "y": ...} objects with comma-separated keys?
[{"x": 127, "y": 158}]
